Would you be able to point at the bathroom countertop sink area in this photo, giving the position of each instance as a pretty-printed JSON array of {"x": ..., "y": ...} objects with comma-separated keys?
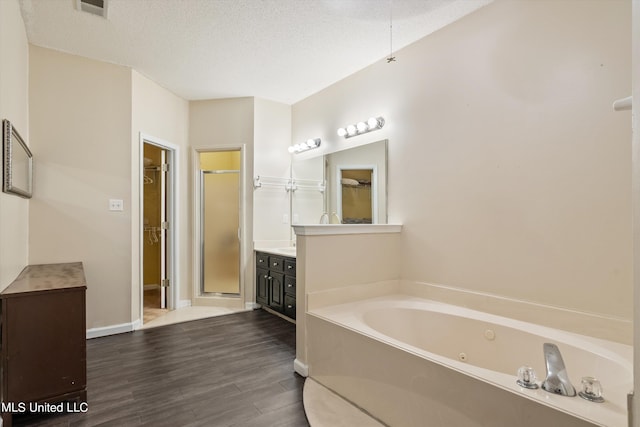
[{"x": 287, "y": 251}]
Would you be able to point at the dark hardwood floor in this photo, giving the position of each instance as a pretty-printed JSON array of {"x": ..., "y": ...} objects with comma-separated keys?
[{"x": 234, "y": 370}]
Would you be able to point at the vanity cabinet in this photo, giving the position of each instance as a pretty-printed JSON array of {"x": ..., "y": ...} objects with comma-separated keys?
[
  {"x": 43, "y": 344},
  {"x": 276, "y": 283}
]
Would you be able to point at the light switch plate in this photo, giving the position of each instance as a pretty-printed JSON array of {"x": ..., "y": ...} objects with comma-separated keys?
[{"x": 116, "y": 205}]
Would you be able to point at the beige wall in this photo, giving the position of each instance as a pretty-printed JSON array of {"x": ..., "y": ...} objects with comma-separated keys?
[
  {"x": 225, "y": 123},
  {"x": 80, "y": 117},
  {"x": 160, "y": 114},
  {"x": 14, "y": 106},
  {"x": 507, "y": 165}
]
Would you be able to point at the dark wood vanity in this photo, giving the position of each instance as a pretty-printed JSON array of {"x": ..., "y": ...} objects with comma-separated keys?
[
  {"x": 43, "y": 353},
  {"x": 276, "y": 283}
]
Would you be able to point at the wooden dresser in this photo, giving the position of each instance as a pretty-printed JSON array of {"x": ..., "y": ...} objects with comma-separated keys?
[{"x": 43, "y": 353}]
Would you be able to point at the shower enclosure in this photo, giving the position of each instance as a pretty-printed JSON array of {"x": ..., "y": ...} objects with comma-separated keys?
[{"x": 220, "y": 222}]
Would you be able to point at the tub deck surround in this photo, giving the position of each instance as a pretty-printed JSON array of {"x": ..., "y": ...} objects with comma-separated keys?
[
  {"x": 342, "y": 229},
  {"x": 337, "y": 256},
  {"x": 348, "y": 342}
]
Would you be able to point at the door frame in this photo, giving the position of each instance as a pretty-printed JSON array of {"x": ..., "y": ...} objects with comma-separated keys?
[
  {"x": 374, "y": 188},
  {"x": 197, "y": 220},
  {"x": 173, "y": 160}
]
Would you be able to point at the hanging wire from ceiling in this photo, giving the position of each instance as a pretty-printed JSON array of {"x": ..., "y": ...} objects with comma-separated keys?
[{"x": 391, "y": 58}]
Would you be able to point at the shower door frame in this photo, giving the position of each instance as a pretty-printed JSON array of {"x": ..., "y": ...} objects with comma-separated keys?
[
  {"x": 197, "y": 222},
  {"x": 204, "y": 172}
]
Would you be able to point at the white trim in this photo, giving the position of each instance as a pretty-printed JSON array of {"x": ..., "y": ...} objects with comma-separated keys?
[
  {"x": 251, "y": 306},
  {"x": 334, "y": 229},
  {"x": 184, "y": 303},
  {"x": 173, "y": 215},
  {"x": 301, "y": 368},
  {"x": 244, "y": 242},
  {"x": 111, "y": 330}
]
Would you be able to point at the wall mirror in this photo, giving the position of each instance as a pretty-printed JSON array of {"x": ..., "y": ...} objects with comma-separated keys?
[
  {"x": 356, "y": 186},
  {"x": 17, "y": 162}
]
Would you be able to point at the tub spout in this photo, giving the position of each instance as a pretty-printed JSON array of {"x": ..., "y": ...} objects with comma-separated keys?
[{"x": 557, "y": 380}]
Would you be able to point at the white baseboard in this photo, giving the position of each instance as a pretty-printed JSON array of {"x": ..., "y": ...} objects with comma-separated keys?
[
  {"x": 251, "y": 306},
  {"x": 184, "y": 303},
  {"x": 111, "y": 330},
  {"x": 301, "y": 368}
]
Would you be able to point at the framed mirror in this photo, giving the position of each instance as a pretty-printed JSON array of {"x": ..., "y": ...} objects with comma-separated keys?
[
  {"x": 17, "y": 162},
  {"x": 355, "y": 178}
]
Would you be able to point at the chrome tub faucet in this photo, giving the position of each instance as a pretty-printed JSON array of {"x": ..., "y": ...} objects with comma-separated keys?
[{"x": 557, "y": 380}]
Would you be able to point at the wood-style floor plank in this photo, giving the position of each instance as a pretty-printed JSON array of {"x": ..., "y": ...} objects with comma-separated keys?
[{"x": 234, "y": 370}]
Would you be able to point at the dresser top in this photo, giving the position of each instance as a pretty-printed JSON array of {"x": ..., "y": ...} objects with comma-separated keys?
[{"x": 47, "y": 277}]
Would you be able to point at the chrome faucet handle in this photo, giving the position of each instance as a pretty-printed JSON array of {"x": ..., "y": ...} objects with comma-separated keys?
[
  {"x": 591, "y": 390},
  {"x": 527, "y": 377},
  {"x": 557, "y": 380}
]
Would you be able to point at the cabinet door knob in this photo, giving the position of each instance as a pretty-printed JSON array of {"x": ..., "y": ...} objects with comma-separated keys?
[
  {"x": 275, "y": 263},
  {"x": 289, "y": 306},
  {"x": 289, "y": 267},
  {"x": 288, "y": 285}
]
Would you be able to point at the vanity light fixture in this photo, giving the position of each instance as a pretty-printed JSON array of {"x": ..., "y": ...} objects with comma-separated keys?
[
  {"x": 309, "y": 144},
  {"x": 373, "y": 123}
]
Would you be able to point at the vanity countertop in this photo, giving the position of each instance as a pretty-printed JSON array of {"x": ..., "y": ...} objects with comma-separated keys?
[{"x": 284, "y": 251}]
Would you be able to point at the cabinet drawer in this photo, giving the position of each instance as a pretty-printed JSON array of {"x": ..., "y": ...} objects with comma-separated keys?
[
  {"x": 262, "y": 260},
  {"x": 276, "y": 263},
  {"x": 290, "y": 267},
  {"x": 289, "y": 308},
  {"x": 290, "y": 285}
]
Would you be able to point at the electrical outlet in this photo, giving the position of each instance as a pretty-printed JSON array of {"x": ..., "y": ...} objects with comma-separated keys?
[{"x": 116, "y": 205}]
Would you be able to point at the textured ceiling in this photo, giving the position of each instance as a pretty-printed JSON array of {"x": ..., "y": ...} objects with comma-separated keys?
[{"x": 283, "y": 50}]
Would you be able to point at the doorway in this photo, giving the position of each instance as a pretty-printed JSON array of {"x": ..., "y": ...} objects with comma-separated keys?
[
  {"x": 220, "y": 219},
  {"x": 357, "y": 201},
  {"x": 155, "y": 239}
]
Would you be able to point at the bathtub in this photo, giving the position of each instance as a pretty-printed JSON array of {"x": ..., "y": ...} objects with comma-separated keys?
[{"x": 416, "y": 362}]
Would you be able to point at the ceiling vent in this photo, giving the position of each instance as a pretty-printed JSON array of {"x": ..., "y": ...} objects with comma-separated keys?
[{"x": 96, "y": 7}]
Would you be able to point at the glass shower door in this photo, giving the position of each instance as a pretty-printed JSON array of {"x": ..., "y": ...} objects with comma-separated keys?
[{"x": 220, "y": 204}]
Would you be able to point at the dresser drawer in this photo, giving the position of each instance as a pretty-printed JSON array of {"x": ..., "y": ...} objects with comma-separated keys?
[
  {"x": 262, "y": 260},
  {"x": 290, "y": 285},
  {"x": 276, "y": 263},
  {"x": 290, "y": 267},
  {"x": 289, "y": 308}
]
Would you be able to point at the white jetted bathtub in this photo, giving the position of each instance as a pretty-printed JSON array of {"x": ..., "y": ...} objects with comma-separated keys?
[{"x": 416, "y": 362}]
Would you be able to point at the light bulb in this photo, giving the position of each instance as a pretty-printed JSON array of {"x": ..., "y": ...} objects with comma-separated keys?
[
  {"x": 342, "y": 131},
  {"x": 351, "y": 130},
  {"x": 311, "y": 143},
  {"x": 361, "y": 126},
  {"x": 373, "y": 123},
  {"x": 291, "y": 149}
]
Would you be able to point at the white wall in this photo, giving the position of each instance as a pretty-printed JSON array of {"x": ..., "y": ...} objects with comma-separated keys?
[
  {"x": 14, "y": 106},
  {"x": 507, "y": 165},
  {"x": 158, "y": 113},
  {"x": 80, "y": 117},
  {"x": 272, "y": 138}
]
